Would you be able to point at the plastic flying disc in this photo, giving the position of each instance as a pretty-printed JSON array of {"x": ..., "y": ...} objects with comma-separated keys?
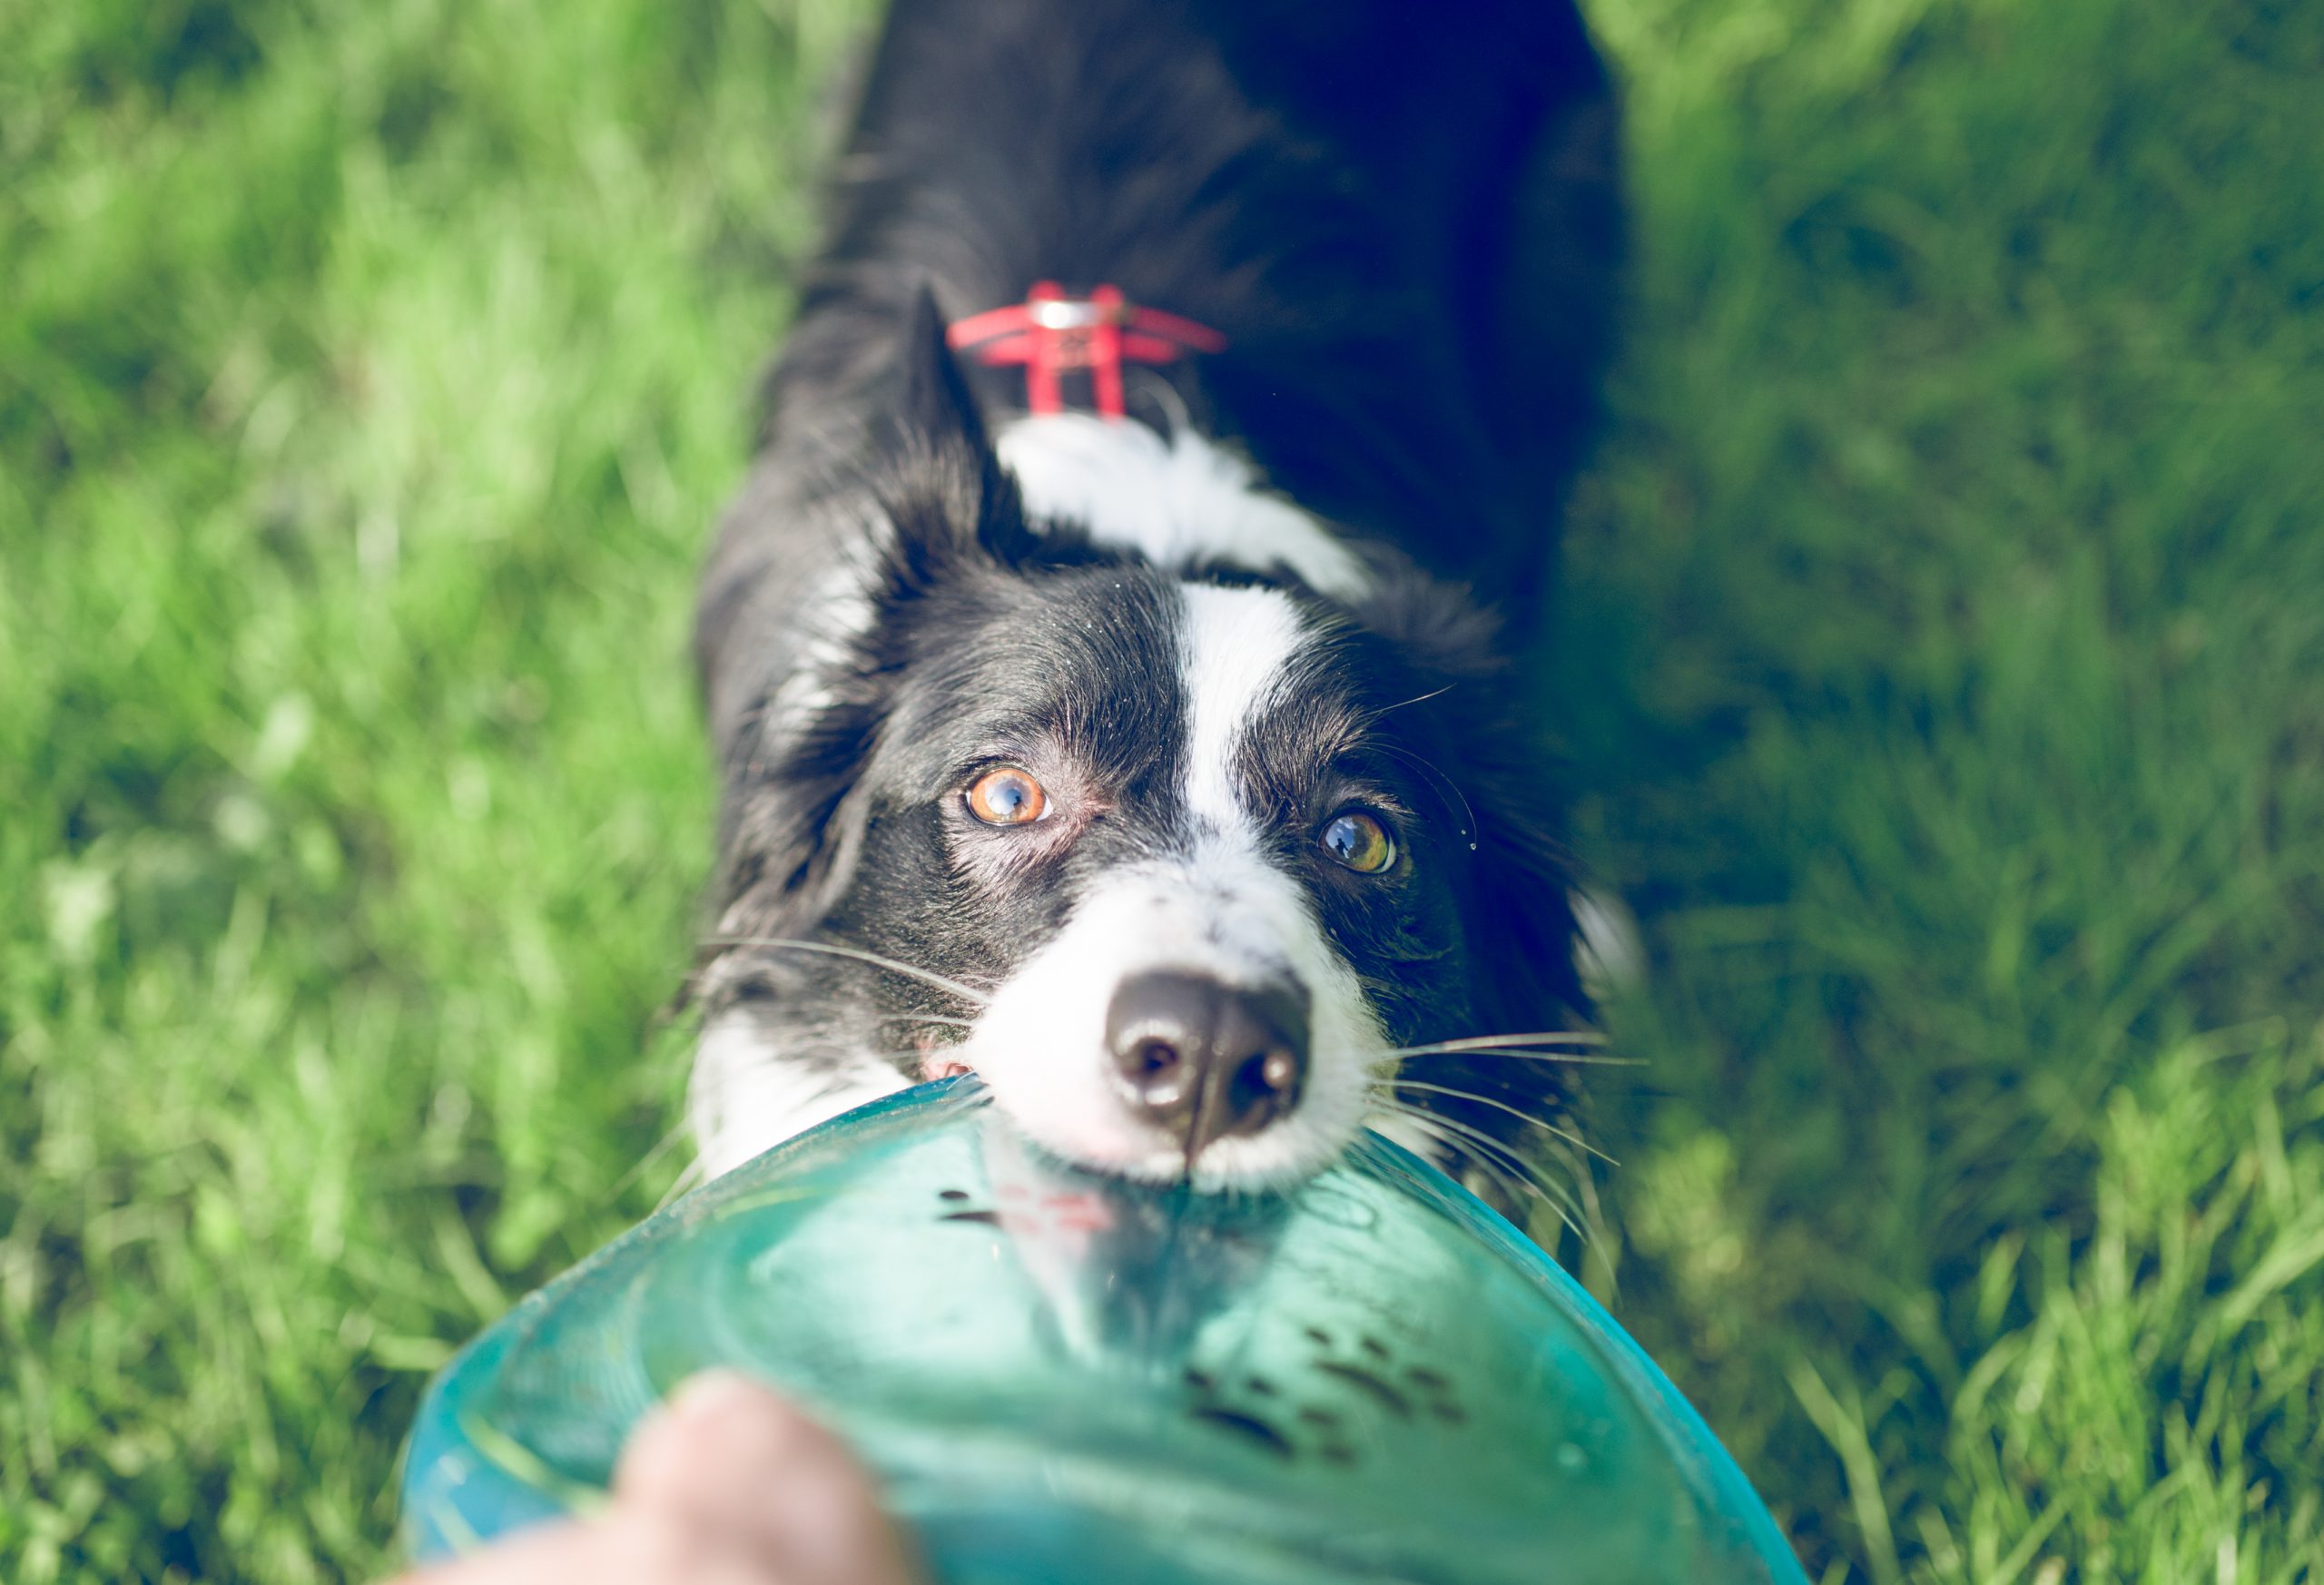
[{"x": 1059, "y": 1377}]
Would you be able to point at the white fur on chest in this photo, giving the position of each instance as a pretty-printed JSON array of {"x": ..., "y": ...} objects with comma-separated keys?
[
  {"x": 1182, "y": 501},
  {"x": 748, "y": 1094}
]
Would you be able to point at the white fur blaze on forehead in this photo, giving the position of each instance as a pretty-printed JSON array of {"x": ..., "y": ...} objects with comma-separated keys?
[
  {"x": 1179, "y": 502},
  {"x": 1233, "y": 651}
]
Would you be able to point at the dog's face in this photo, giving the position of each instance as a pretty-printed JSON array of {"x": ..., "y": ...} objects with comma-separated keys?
[{"x": 1178, "y": 864}]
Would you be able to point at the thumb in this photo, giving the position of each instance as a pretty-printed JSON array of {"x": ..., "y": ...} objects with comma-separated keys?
[{"x": 731, "y": 1457}]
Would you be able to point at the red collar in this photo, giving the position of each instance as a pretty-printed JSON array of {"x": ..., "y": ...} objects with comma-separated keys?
[{"x": 1049, "y": 333}]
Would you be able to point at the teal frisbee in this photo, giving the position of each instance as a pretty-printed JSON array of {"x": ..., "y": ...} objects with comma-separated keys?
[{"x": 1370, "y": 1377}]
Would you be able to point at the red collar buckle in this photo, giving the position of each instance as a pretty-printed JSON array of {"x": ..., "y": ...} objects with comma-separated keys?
[{"x": 1049, "y": 333}]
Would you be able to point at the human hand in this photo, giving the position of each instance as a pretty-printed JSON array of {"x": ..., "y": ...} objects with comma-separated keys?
[{"x": 726, "y": 1484}]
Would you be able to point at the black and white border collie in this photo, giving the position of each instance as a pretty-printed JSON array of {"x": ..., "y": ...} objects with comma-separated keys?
[{"x": 1172, "y": 771}]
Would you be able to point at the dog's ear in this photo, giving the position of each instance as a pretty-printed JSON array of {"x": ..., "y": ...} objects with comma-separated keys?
[
  {"x": 788, "y": 834},
  {"x": 1516, "y": 901},
  {"x": 946, "y": 496},
  {"x": 935, "y": 404},
  {"x": 1519, "y": 892},
  {"x": 1497, "y": 773},
  {"x": 1498, "y": 789},
  {"x": 947, "y": 508}
]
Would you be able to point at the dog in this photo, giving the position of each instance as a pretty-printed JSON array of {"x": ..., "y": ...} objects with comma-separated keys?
[{"x": 1115, "y": 655}]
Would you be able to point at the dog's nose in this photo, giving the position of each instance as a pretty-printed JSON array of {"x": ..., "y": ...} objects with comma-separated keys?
[{"x": 1204, "y": 1059}]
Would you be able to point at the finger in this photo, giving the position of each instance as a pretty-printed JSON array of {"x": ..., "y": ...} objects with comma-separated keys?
[
  {"x": 538, "y": 1556},
  {"x": 732, "y": 1458},
  {"x": 624, "y": 1547}
]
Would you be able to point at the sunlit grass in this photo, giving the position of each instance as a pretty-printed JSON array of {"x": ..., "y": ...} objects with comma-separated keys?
[
  {"x": 1944, "y": 668},
  {"x": 1945, "y": 655}
]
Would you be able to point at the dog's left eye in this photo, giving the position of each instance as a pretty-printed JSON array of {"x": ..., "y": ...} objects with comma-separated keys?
[
  {"x": 1007, "y": 797},
  {"x": 1357, "y": 839}
]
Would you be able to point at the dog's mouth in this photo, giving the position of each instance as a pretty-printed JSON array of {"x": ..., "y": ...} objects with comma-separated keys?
[{"x": 939, "y": 1056}]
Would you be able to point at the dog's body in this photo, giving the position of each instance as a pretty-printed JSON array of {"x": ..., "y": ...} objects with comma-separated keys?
[{"x": 1163, "y": 770}]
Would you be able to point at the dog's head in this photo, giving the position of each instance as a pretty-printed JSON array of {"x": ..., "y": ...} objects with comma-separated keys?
[{"x": 1178, "y": 858}]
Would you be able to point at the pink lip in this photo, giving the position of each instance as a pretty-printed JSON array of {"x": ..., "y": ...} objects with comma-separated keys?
[{"x": 933, "y": 1066}]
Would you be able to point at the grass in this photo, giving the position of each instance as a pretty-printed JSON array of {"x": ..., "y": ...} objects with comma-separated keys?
[{"x": 1945, "y": 665}]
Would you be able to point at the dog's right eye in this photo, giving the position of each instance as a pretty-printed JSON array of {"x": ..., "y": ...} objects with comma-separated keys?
[{"x": 1007, "y": 797}]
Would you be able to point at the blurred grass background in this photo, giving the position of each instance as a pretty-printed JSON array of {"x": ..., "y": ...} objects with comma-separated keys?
[{"x": 1945, "y": 668}]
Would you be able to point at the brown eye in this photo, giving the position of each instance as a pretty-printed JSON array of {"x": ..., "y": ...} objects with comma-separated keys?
[
  {"x": 1356, "y": 838},
  {"x": 1007, "y": 797}
]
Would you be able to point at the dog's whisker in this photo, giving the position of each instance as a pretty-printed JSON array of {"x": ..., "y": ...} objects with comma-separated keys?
[
  {"x": 1519, "y": 1171},
  {"x": 1445, "y": 1133},
  {"x": 1574, "y": 1168},
  {"x": 693, "y": 1176},
  {"x": 1444, "y": 782},
  {"x": 1510, "y": 1054},
  {"x": 840, "y": 949},
  {"x": 968, "y": 1098},
  {"x": 1499, "y": 1042},
  {"x": 1415, "y": 699},
  {"x": 661, "y": 1147},
  {"x": 1525, "y": 1117},
  {"x": 1571, "y": 1058},
  {"x": 906, "y": 1017},
  {"x": 1500, "y": 1106},
  {"x": 1489, "y": 1153}
]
